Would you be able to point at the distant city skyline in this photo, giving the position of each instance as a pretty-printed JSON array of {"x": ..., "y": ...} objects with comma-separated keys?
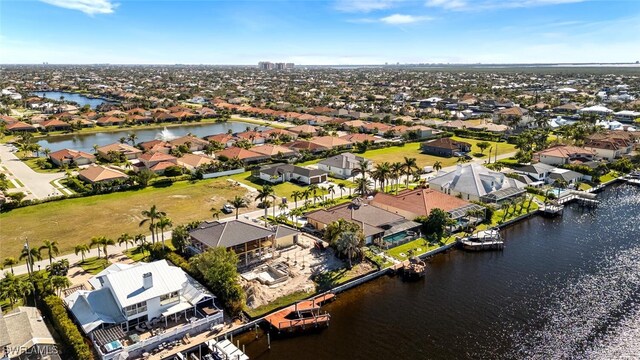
[{"x": 342, "y": 32}]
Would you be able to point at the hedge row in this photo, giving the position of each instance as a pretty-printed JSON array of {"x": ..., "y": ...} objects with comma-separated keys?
[{"x": 71, "y": 337}]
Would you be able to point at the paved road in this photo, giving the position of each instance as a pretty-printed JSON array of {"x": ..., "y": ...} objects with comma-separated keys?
[{"x": 37, "y": 185}]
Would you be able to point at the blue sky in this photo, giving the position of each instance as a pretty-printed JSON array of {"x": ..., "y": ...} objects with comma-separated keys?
[{"x": 319, "y": 32}]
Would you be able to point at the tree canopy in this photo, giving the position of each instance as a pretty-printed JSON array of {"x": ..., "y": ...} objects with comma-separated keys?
[{"x": 218, "y": 267}]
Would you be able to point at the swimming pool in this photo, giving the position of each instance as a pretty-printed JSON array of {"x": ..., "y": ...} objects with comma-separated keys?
[{"x": 395, "y": 237}]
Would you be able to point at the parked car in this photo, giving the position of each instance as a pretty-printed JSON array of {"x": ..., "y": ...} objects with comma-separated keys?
[{"x": 228, "y": 208}]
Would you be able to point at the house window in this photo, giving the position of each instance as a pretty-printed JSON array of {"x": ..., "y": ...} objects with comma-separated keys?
[
  {"x": 135, "y": 309},
  {"x": 169, "y": 298}
]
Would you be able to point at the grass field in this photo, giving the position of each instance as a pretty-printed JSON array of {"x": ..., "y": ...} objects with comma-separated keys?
[
  {"x": 397, "y": 153},
  {"x": 32, "y": 163},
  {"x": 278, "y": 303},
  {"x": 75, "y": 221},
  {"x": 94, "y": 265}
]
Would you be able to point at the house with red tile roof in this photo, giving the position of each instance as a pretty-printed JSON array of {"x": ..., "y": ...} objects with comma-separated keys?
[
  {"x": 110, "y": 120},
  {"x": 20, "y": 126},
  {"x": 279, "y": 133},
  {"x": 227, "y": 140},
  {"x": 304, "y": 129},
  {"x": 158, "y": 162},
  {"x": 247, "y": 156},
  {"x": 55, "y": 125},
  {"x": 193, "y": 161},
  {"x": 564, "y": 154},
  {"x": 129, "y": 151},
  {"x": 192, "y": 142},
  {"x": 253, "y": 137},
  {"x": 331, "y": 142},
  {"x": 304, "y": 145},
  {"x": 358, "y": 138},
  {"x": 155, "y": 146},
  {"x": 69, "y": 156},
  {"x": 276, "y": 151},
  {"x": 420, "y": 202},
  {"x": 100, "y": 174}
]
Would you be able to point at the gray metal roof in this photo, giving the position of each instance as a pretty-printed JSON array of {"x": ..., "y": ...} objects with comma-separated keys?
[
  {"x": 230, "y": 233},
  {"x": 343, "y": 161}
]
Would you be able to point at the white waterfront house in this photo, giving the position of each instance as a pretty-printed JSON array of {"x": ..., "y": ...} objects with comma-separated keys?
[{"x": 128, "y": 300}]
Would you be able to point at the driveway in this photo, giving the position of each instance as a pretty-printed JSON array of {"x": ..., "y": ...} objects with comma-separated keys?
[{"x": 36, "y": 185}]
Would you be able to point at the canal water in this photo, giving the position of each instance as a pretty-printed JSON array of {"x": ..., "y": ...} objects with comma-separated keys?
[
  {"x": 80, "y": 99},
  {"x": 85, "y": 142},
  {"x": 563, "y": 288}
]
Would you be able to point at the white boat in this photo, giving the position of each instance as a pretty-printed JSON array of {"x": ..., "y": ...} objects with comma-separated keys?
[{"x": 483, "y": 240}]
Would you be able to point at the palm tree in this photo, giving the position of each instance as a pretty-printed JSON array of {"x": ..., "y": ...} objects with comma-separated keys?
[
  {"x": 437, "y": 166},
  {"x": 95, "y": 148},
  {"x": 52, "y": 249},
  {"x": 132, "y": 137},
  {"x": 341, "y": 186},
  {"x": 122, "y": 140},
  {"x": 331, "y": 189},
  {"x": 238, "y": 202},
  {"x": 363, "y": 167},
  {"x": 97, "y": 241},
  {"x": 10, "y": 262},
  {"x": 152, "y": 215},
  {"x": 31, "y": 254},
  {"x": 350, "y": 244},
  {"x": 81, "y": 249},
  {"x": 60, "y": 283},
  {"x": 363, "y": 186},
  {"x": 164, "y": 223},
  {"x": 263, "y": 195},
  {"x": 215, "y": 213},
  {"x": 125, "y": 239},
  {"x": 396, "y": 171},
  {"x": 306, "y": 193},
  {"x": 25, "y": 288},
  {"x": 106, "y": 242},
  {"x": 313, "y": 188},
  {"x": 10, "y": 288},
  {"x": 296, "y": 195},
  {"x": 381, "y": 174},
  {"x": 409, "y": 165}
]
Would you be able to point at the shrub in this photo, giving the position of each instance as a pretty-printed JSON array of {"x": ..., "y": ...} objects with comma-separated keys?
[{"x": 71, "y": 338}]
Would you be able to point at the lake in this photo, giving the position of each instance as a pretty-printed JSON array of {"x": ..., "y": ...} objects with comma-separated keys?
[
  {"x": 563, "y": 288},
  {"x": 80, "y": 99},
  {"x": 85, "y": 142}
]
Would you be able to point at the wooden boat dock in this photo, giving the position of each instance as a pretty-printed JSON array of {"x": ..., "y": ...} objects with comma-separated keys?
[
  {"x": 302, "y": 315},
  {"x": 414, "y": 269}
]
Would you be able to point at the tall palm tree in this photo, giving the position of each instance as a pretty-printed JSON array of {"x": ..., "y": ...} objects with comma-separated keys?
[
  {"x": 363, "y": 186},
  {"x": 238, "y": 202},
  {"x": 52, "y": 249},
  {"x": 263, "y": 196},
  {"x": 341, "y": 186},
  {"x": 331, "y": 189},
  {"x": 10, "y": 262},
  {"x": 31, "y": 255},
  {"x": 313, "y": 188},
  {"x": 350, "y": 244},
  {"x": 396, "y": 171},
  {"x": 97, "y": 241},
  {"x": 10, "y": 288},
  {"x": 81, "y": 249},
  {"x": 409, "y": 165},
  {"x": 363, "y": 167},
  {"x": 152, "y": 215},
  {"x": 25, "y": 288},
  {"x": 125, "y": 239},
  {"x": 381, "y": 174},
  {"x": 164, "y": 223},
  {"x": 59, "y": 283},
  {"x": 296, "y": 195},
  {"x": 106, "y": 242}
]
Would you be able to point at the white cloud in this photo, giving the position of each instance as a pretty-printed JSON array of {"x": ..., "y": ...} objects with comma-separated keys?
[
  {"x": 364, "y": 5},
  {"x": 466, "y": 5},
  {"x": 400, "y": 19},
  {"x": 90, "y": 7}
]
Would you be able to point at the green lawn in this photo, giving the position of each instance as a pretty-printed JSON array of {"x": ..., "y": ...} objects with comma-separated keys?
[
  {"x": 94, "y": 265},
  {"x": 417, "y": 247},
  {"x": 584, "y": 186},
  {"x": 32, "y": 163},
  {"x": 75, "y": 221},
  {"x": 329, "y": 279},
  {"x": 136, "y": 255},
  {"x": 278, "y": 303},
  {"x": 608, "y": 177},
  {"x": 282, "y": 190},
  {"x": 397, "y": 153}
]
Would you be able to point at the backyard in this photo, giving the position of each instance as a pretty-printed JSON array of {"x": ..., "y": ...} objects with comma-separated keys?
[{"x": 75, "y": 221}]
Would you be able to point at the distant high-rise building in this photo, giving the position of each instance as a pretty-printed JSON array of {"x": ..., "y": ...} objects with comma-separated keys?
[{"x": 267, "y": 65}]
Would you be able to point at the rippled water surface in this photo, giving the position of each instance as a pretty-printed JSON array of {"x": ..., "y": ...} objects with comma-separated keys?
[{"x": 564, "y": 288}]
